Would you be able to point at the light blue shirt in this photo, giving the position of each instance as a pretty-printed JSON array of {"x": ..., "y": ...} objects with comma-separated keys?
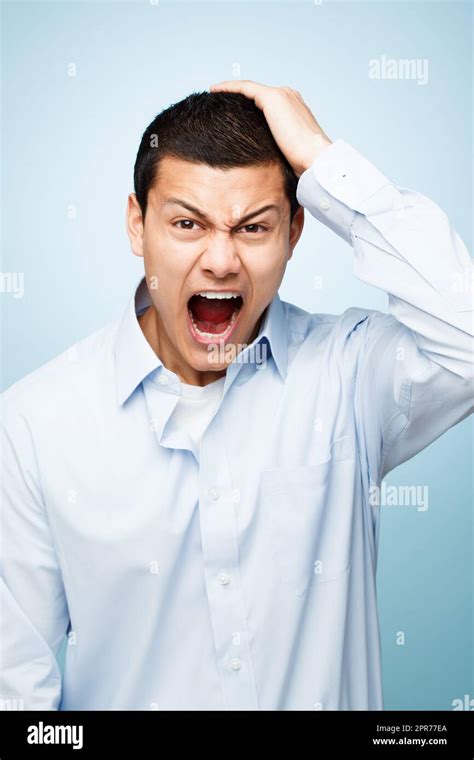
[{"x": 238, "y": 575}]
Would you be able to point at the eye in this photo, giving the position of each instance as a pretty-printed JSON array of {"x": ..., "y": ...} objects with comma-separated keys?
[
  {"x": 252, "y": 228},
  {"x": 186, "y": 224}
]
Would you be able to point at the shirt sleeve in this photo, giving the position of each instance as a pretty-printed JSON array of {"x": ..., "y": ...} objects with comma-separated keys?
[
  {"x": 415, "y": 369},
  {"x": 34, "y": 614}
]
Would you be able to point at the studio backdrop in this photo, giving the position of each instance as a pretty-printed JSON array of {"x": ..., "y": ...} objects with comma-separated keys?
[{"x": 82, "y": 80}]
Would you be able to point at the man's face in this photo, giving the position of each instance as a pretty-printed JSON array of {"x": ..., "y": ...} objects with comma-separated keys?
[{"x": 224, "y": 234}]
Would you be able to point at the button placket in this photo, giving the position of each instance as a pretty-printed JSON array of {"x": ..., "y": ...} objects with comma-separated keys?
[{"x": 218, "y": 508}]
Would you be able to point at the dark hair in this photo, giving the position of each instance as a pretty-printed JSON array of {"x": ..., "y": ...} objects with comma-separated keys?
[{"x": 220, "y": 129}]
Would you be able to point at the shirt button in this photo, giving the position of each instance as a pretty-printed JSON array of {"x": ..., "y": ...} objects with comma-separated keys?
[
  {"x": 236, "y": 495},
  {"x": 324, "y": 204},
  {"x": 163, "y": 380},
  {"x": 224, "y": 579},
  {"x": 235, "y": 663},
  {"x": 214, "y": 494}
]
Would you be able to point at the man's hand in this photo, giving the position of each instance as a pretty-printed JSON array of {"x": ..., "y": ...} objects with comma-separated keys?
[{"x": 296, "y": 131}]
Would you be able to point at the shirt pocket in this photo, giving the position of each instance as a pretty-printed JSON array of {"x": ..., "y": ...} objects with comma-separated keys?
[{"x": 308, "y": 510}]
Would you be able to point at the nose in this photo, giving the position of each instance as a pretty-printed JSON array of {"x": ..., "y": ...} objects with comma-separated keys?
[{"x": 220, "y": 256}]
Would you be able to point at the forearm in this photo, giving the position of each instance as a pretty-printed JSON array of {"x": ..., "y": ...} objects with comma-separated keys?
[{"x": 404, "y": 244}]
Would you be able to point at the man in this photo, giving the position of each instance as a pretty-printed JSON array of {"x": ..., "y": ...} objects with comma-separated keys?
[{"x": 187, "y": 492}]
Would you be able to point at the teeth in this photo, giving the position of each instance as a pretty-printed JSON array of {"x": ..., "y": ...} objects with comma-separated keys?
[
  {"x": 216, "y": 294},
  {"x": 213, "y": 335}
]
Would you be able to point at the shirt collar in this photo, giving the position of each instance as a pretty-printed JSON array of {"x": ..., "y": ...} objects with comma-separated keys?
[
  {"x": 273, "y": 331},
  {"x": 135, "y": 358}
]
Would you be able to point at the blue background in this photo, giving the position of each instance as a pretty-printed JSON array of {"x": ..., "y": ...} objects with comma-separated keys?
[{"x": 69, "y": 144}]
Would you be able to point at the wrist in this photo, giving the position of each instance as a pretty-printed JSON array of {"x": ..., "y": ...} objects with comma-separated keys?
[{"x": 319, "y": 144}]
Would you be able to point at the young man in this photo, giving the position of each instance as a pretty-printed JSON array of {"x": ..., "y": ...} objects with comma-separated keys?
[{"x": 188, "y": 491}]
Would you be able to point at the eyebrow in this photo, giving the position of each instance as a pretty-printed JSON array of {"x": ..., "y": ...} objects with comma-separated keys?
[{"x": 198, "y": 212}]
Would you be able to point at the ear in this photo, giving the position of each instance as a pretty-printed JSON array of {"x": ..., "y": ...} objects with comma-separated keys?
[
  {"x": 296, "y": 228},
  {"x": 135, "y": 225}
]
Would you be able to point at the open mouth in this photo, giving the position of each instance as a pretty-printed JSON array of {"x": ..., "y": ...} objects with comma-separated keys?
[{"x": 213, "y": 314}]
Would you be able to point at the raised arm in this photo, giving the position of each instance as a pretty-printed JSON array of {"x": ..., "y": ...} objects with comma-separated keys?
[{"x": 415, "y": 371}]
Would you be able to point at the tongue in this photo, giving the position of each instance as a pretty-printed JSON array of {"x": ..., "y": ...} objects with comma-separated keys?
[{"x": 212, "y": 310}]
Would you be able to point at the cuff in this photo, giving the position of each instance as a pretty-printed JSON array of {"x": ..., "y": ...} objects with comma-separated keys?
[{"x": 338, "y": 186}]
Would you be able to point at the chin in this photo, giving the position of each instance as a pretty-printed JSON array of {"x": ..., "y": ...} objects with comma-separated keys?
[{"x": 211, "y": 360}]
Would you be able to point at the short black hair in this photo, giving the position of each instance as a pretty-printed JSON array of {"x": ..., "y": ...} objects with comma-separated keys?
[{"x": 220, "y": 129}]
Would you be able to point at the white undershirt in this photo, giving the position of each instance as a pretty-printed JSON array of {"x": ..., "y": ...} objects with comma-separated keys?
[{"x": 196, "y": 406}]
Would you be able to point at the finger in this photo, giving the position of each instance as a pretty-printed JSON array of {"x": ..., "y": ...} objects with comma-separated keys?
[
  {"x": 291, "y": 91},
  {"x": 246, "y": 87}
]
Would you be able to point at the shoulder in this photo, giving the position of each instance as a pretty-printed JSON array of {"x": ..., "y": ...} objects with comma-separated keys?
[
  {"x": 354, "y": 324},
  {"x": 71, "y": 374}
]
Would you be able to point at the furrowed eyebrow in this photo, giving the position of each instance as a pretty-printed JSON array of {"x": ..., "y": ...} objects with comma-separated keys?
[
  {"x": 269, "y": 207},
  {"x": 198, "y": 212},
  {"x": 192, "y": 209}
]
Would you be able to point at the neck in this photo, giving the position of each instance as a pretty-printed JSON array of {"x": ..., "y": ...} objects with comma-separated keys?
[
  {"x": 153, "y": 331},
  {"x": 156, "y": 336}
]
